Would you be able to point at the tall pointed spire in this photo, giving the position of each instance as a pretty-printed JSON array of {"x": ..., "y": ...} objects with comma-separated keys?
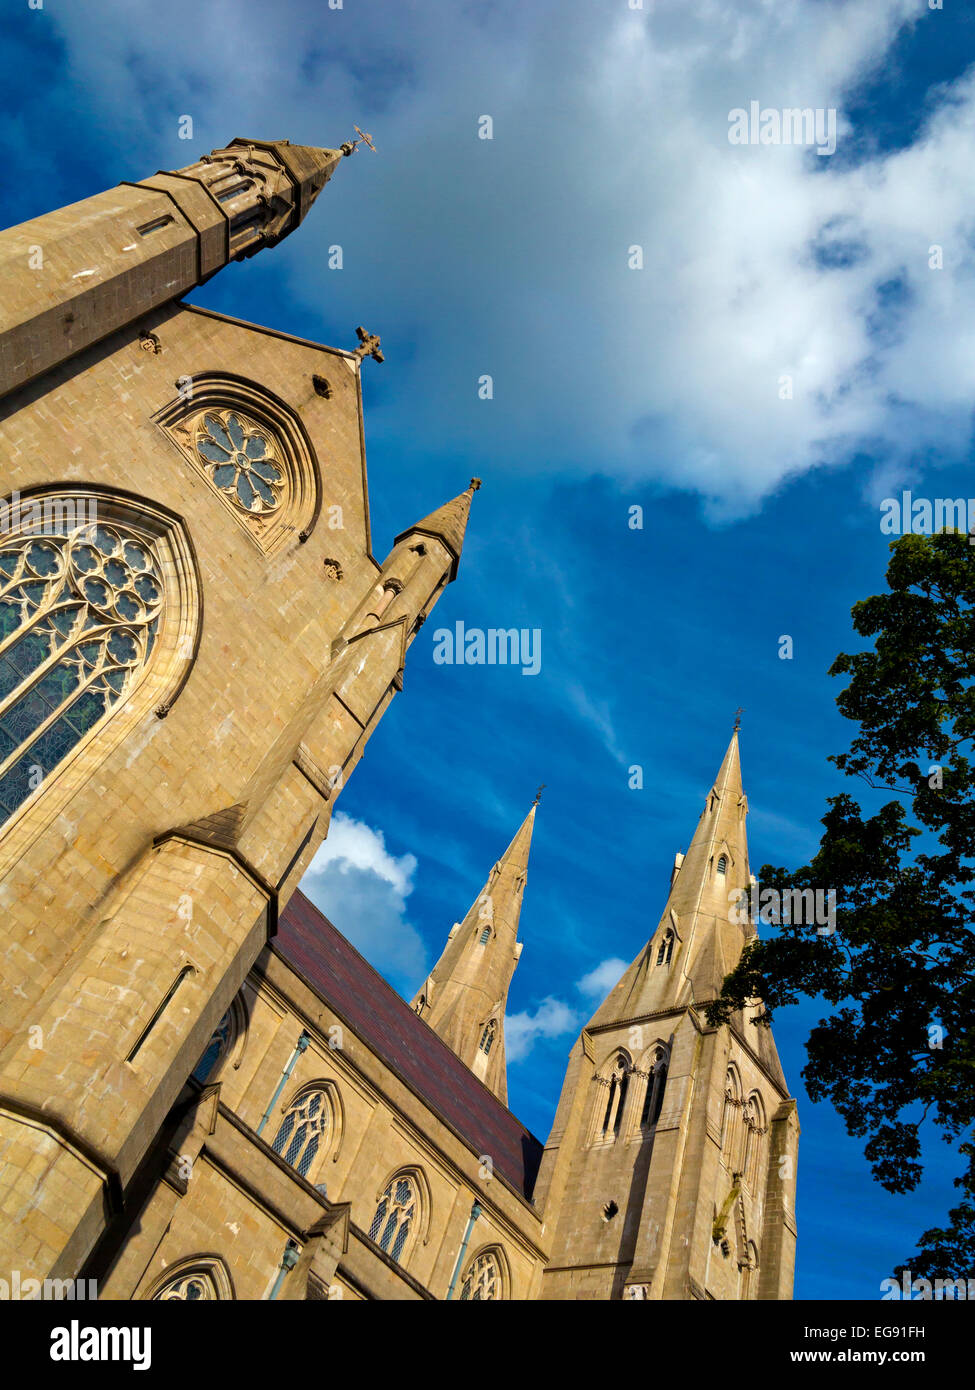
[
  {"x": 463, "y": 999},
  {"x": 699, "y": 938},
  {"x": 448, "y": 523},
  {"x": 116, "y": 255},
  {"x": 688, "y": 1128}
]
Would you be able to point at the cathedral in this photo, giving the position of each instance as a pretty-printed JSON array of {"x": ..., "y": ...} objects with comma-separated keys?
[{"x": 205, "y": 1092}]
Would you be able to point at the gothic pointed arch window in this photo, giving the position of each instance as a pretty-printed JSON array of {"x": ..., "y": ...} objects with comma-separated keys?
[
  {"x": 488, "y": 1036},
  {"x": 197, "y": 1287},
  {"x": 723, "y": 864},
  {"x": 753, "y": 1165},
  {"x": 485, "y": 936},
  {"x": 484, "y": 1278},
  {"x": 253, "y": 450},
  {"x": 731, "y": 1119},
  {"x": 226, "y": 1040},
  {"x": 665, "y": 950},
  {"x": 396, "y": 1217},
  {"x": 618, "y": 1084},
  {"x": 656, "y": 1081},
  {"x": 99, "y": 603},
  {"x": 303, "y": 1132},
  {"x": 199, "y": 1279}
]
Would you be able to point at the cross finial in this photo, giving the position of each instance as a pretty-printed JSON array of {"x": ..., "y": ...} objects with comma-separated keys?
[
  {"x": 475, "y": 484},
  {"x": 738, "y": 713},
  {"x": 368, "y": 346},
  {"x": 538, "y": 794},
  {"x": 351, "y": 146}
]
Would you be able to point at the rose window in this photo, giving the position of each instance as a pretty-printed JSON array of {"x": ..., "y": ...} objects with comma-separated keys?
[{"x": 240, "y": 460}]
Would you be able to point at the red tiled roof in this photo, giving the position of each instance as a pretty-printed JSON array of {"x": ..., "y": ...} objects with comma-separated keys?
[{"x": 386, "y": 1023}]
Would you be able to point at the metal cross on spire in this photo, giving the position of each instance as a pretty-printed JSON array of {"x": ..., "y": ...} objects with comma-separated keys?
[
  {"x": 351, "y": 146},
  {"x": 538, "y": 794}
]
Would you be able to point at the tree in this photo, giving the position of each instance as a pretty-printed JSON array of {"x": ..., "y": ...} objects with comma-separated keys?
[{"x": 899, "y": 968}]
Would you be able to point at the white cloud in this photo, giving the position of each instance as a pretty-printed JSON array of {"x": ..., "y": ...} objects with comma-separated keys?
[
  {"x": 551, "y": 1019},
  {"x": 554, "y": 1017},
  {"x": 610, "y": 129},
  {"x": 363, "y": 889},
  {"x": 598, "y": 983}
]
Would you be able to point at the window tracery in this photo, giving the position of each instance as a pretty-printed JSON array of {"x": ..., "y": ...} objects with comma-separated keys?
[
  {"x": 303, "y": 1129},
  {"x": 396, "y": 1216},
  {"x": 80, "y": 610},
  {"x": 483, "y": 1280},
  {"x": 240, "y": 459}
]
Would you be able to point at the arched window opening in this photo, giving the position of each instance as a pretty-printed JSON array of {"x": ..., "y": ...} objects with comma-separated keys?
[
  {"x": 198, "y": 1279},
  {"x": 753, "y": 1114},
  {"x": 609, "y": 1104},
  {"x": 395, "y": 1216},
  {"x": 488, "y": 1036},
  {"x": 80, "y": 610},
  {"x": 216, "y": 1047},
  {"x": 731, "y": 1120},
  {"x": 303, "y": 1129},
  {"x": 483, "y": 1279},
  {"x": 251, "y": 447},
  {"x": 723, "y": 864},
  {"x": 196, "y": 1287},
  {"x": 654, "y": 1098},
  {"x": 666, "y": 948},
  {"x": 485, "y": 936},
  {"x": 618, "y": 1083}
]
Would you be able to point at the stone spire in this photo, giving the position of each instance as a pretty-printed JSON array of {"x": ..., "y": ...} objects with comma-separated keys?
[
  {"x": 74, "y": 276},
  {"x": 698, "y": 940},
  {"x": 464, "y": 997},
  {"x": 687, "y": 1132},
  {"x": 448, "y": 523}
]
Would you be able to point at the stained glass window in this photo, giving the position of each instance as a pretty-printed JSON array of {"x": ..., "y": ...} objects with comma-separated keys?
[
  {"x": 196, "y": 1287},
  {"x": 79, "y": 615},
  {"x": 239, "y": 459},
  {"x": 395, "y": 1216},
  {"x": 483, "y": 1279},
  {"x": 215, "y": 1047},
  {"x": 302, "y": 1130}
]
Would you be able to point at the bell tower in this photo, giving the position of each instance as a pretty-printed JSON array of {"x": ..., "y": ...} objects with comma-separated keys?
[{"x": 671, "y": 1166}]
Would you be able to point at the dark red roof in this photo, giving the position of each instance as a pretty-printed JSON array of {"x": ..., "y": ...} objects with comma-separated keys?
[{"x": 307, "y": 940}]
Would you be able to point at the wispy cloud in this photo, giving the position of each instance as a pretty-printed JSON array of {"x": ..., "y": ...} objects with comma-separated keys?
[{"x": 598, "y": 715}]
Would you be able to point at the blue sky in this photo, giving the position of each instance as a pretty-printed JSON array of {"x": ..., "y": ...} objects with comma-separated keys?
[{"x": 613, "y": 387}]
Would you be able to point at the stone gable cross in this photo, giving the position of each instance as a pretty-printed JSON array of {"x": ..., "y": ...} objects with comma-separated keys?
[{"x": 368, "y": 346}]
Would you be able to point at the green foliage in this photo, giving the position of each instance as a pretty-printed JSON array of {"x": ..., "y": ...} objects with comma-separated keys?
[{"x": 900, "y": 968}]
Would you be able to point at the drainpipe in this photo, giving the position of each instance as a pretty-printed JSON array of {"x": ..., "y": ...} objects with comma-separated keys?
[
  {"x": 288, "y": 1261},
  {"x": 303, "y": 1042},
  {"x": 475, "y": 1213}
]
